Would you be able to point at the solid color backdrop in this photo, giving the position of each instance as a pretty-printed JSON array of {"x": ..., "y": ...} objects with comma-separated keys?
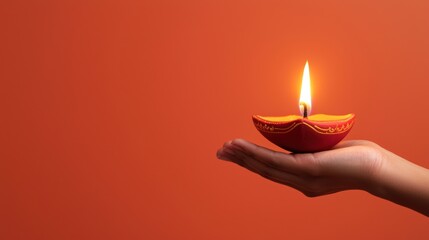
[{"x": 112, "y": 111}]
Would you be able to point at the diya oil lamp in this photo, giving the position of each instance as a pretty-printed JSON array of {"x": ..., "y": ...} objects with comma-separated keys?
[{"x": 305, "y": 133}]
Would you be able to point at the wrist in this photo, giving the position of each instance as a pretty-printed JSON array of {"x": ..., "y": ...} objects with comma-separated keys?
[{"x": 402, "y": 182}]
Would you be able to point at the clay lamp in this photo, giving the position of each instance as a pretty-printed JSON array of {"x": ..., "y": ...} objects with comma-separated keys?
[{"x": 305, "y": 133}]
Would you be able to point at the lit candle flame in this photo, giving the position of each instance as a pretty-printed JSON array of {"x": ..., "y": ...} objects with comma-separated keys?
[{"x": 305, "y": 97}]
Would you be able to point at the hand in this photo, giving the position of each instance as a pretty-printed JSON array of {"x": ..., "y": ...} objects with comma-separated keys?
[
  {"x": 351, "y": 165},
  {"x": 356, "y": 164}
]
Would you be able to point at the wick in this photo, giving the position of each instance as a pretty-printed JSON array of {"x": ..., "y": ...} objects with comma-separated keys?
[{"x": 305, "y": 110}]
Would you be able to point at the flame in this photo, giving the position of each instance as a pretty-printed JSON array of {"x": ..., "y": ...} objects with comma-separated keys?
[{"x": 305, "y": 97}]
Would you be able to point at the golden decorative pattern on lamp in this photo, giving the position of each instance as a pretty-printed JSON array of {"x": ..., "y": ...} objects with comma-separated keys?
[
  {"x": 297, "y": 134},
  {"x": 329, "y": 130}
]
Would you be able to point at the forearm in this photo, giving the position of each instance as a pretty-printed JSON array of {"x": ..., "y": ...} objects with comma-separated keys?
[{"x": 404, "y": 183}]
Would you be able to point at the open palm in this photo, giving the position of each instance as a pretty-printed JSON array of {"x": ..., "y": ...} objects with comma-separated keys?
[{"x": 351, "y": 165}]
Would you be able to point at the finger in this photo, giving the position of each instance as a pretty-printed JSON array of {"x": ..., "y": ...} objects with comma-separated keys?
[
  {"x": 266, "y": 171},
  {"x": 228, "y": 154},
  {"x": 310, "y": 186},
  {"x": 236, "y": 155},
  {"x": 282, "y": 161},
  {"x": 222, "y": 153}
]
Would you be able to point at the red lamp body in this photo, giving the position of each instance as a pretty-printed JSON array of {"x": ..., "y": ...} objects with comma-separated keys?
[{"x": 300, "y": 135}]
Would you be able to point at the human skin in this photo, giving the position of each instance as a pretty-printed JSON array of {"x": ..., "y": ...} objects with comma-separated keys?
[{"x": 353, "y": 164}]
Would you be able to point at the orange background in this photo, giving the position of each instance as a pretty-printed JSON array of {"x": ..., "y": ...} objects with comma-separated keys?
[{"x": 112, "y": 111}]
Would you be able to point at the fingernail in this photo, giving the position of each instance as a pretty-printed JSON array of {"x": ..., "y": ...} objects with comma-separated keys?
[
  {"x": 225, "y": 154},
  {"x": 220, "y": 155},
  {"x": 228, "y": 150}
]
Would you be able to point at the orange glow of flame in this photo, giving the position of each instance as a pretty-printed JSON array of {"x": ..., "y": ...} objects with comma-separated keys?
[{"x": 305, "y": 97}]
